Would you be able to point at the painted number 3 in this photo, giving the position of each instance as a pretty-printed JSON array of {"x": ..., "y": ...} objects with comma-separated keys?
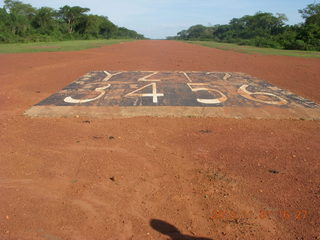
[{"x": 100, "y": 90}]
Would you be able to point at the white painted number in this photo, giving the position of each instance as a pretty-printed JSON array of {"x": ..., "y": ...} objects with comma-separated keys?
[
  {"x": 109, "y": 76},
  {"x": 187, "y": 77},
  {"x": 195, "y": 87},
  {"x": 204, "y": 87},
  {"x": 154, "y": 93},
  {"x": 145, "y": 79},
  {"x": 226, "y": 76},
  {"x": 101, "y": 90},
  {"x": 250, "y": 95}
]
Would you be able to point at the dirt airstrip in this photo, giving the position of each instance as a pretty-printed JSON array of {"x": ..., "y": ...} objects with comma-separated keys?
[{"x": 155, "y": 178}]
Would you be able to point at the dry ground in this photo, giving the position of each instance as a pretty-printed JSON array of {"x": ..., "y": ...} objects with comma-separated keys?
[{"x": 76, "y": 178}]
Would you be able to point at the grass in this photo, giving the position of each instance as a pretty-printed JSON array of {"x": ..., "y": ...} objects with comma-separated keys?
[
  {"x": 61, "y": 46},
  {"x": 255, "y": 50}
]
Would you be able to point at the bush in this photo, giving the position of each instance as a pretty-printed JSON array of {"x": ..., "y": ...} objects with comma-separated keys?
[
  {"x": 265, "y": 42},
  {"x": 296, "y": 45},
  {"x": 6, "y": 37}
]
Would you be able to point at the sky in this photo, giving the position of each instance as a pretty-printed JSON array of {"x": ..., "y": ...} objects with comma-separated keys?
[{"x": 158, "y": 19}]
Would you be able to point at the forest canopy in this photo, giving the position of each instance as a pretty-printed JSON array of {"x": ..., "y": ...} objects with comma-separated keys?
[
  {"x": 20, "y": 22},
  {"x": 263, "y": 30}
]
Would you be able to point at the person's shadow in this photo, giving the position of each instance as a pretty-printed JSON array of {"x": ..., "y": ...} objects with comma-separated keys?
[{"x": 171, "y": 231}]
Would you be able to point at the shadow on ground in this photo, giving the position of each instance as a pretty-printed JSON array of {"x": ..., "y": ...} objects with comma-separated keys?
[{"x": 171, "y": 231}]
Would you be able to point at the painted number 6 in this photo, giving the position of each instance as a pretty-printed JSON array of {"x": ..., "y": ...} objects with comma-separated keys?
[{"x": 250, "y": 95}]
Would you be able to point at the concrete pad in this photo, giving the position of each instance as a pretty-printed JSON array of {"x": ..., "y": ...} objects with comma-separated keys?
[{"x": 110, "y": 94}]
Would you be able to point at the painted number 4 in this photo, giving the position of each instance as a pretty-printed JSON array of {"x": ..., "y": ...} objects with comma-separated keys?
[{"x": 154, "y": 93}]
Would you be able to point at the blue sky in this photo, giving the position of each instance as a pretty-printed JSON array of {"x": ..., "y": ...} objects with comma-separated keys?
[{"x": 161, "y": 18}]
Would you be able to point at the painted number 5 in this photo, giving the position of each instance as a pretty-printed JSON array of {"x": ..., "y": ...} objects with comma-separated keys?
[{"x": 195, "y": 87}]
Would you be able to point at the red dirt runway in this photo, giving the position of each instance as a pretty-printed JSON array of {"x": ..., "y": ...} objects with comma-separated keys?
[{"x": 82, "y": 178}]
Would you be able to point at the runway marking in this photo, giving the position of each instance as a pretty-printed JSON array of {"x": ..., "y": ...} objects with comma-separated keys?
[
  {"x": 100, "y": 90},
  {"x": 186, "y": 75},
  {"x": 154, "y": 93},
  {"x": 226, "y": 76},
  {"x": 222, "y": 99},
  {"x": 250, "y": 95},
  {"x": 149, "y": 80},
  {"x": 178, "y": 93}
]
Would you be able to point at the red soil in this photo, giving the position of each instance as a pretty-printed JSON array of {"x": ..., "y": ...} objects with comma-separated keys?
[{"x": 69, "y": 179}]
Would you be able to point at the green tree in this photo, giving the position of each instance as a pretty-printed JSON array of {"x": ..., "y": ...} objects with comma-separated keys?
[
  {"x": 107, "y": 28},
  {"x": 19, "y": 8},
  {"x": 222, "y": 33},
  {"x": 72, "y": 16},
  {"x": 5, "y": 34},
  {"x": 123, "y": 32},
  {"x": 19, "y": 18},
  {"x": 183, "y": 35},
  {"x": 23, "y": 22},
  {"x": 259, "y": 25},
  {"x": 311, "y": 14},
  {"x": 44, "y": 20},
  {"x": 309, "y": 32},
  {"x": 196, "y": 31}
]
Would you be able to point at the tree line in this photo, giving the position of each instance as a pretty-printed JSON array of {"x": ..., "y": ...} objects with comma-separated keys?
[
  {"x": 263, "y": 30},
  {"x": 20, "y": 22}
]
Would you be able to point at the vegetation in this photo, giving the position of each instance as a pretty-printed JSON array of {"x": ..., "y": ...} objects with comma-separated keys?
[
  {"x": 57, "y": 46},
  {"x": 257, "y": 50},
  {"x": 20, "y": 22},
  {"x": 263, "y": 30}
]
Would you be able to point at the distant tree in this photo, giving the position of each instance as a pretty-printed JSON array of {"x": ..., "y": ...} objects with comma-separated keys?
[
  {"x": 309, "y": 32},
  {"x": 19, "y": 18},
  {"x": 259, "y": 25},
  {"x": 72, "y": 16},
  {"x": 5, "y": 33},
  {"x": 96, "y": 26},
  {"x": 311, "y": 14},
  {"x": 183, "y": 35},
  {"x": 107, "y": 28},
  {"x": 123, "y": 32},
  {"x": 19, "y": 8},
  {"x": 45, "y": 20},
  {"x": 196, "y": 31},
  {"x": 222, "y": 33},
  {"x": 20, "y": 22}
]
